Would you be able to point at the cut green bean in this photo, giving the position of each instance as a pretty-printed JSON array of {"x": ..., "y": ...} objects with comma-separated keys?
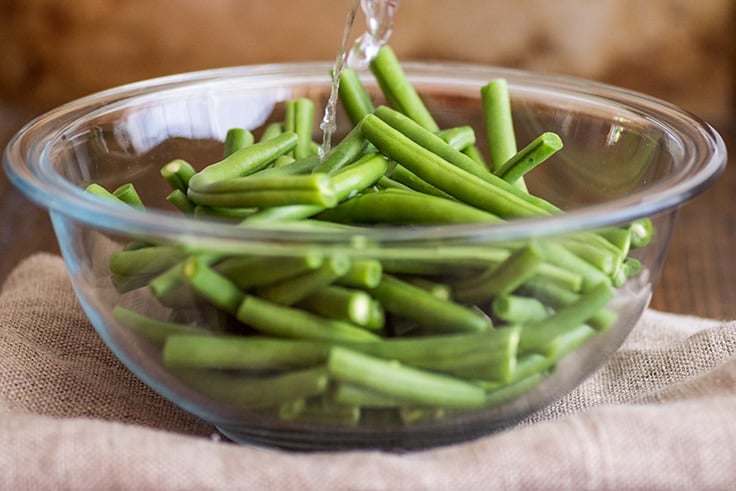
[
  {"x": 272, "y": 131},
  {"x": 516, "y": 309},
  {"x": 500, "y": 198},
  {"x": 294, "y": 289},
  {"x": 413, "y": 303},
  {"x": 405, "y": 383},
  {"x": 181, "y": 201},
  {"x": 430, "y": 141},
  {"x": 257, "y": 393},
  {"x": 526, "y": 159},
  {"x": 459, "y": 137},
  {"x": 129, "y": 195},
  {"x": 147, "y": 260},
  {"x": 490, "y": 355},
  {"x": 266, "y": 191},
  {"x": 227, "y": 213},
  {"x": 300, "y": 120},
  {"x": 177, "y": 174},
  {"x": 363, "y": 273},
  {"x": 398, "y": 90},
  {"x": 404, "y": 176},
  {"x": 521, "y": 265},
  {"x": 251, "y": 271},
  {"x": 642, "y": 232},
  {"x": 101, "y": 192},
  {"x": 233, "y": 352},
  {"x": 496, "y": 104},
  {"x": 560, "y": 256},
  {"x": 316, "y": 411},
  {"x": 245, "y": 161},
  {"x": 236, "y": 139},
  {"x": 404, "y": 207},
  {"x": 282, "y": 321},
  {"x": 353, "y": 178},
  {"x": 537, "y": 335},
  {"x": 211, "y": 285},
  {"x": 354, "y": 98},
  {"x": 345, "y": 152},
  {"x": 335, "y": 302},
  {"x": 153, "y": 329},
  {"x": 557, "y": 297}
]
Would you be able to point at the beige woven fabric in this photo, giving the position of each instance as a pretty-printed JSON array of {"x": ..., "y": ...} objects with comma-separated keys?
[{"x": 660, "y": 415}]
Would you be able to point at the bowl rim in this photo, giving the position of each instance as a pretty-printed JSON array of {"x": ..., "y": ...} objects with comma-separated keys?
[{"x": 24, "y": 156}]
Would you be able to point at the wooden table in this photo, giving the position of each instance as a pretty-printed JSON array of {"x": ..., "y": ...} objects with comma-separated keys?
[{"x": 699, "y": 277}]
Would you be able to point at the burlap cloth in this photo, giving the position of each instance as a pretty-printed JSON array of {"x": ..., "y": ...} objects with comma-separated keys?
[{"x": 660, "y": 415}]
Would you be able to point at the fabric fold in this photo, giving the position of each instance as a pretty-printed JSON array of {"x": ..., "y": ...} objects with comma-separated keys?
[{"x": 658, "y": 415}]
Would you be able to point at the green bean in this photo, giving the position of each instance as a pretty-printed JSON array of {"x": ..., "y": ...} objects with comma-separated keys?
[
  {"x": 345, "y": 152},
  {"x": 272, "y": 131},
  {"x": 353, "y": 395},
  {"x": 490, "y": 355},
  {"x": 128, "y": 194},
  {"x": 398, "y": 90},
  {"x": 232, "y": 352},
  {"x": 251, "y": 271},
  {"x": 147, "y": 260},
  {"x": 500, "y": 132},
  {"x": 537, "y": 335},
  {"x": 245, "y": 161},
  {"x": 429, "y": 140},
  {"x": 211, "y": 285},
  {"x": 300, "y": 120},
  {"x": 459, "y": 137},
  {"x": 439, "y": 290},
  {"x": 266, "y": 191},
  {"x": 181, "y": 201},
  {"x": 404, "y": 207},
  {"x": 257, "y": 393},
  {"x": 521, "y": 265},
  {"x": 405, "y": 383},
  {"x": 296, "y": 288},
  {"x": 362, "y": 273},
  {"x": 562, "y": 257},
  {"x": 475, "y": 154},
  {"x": 526, "y": 159},
  {"x": 413, "y": 303},
  {"x": 235, "y": 214},
  {"x": 103, "y": 193},
  {"x": 315, "y": 411},
  {"x": 386, "y": 182},
  {"x": 517, "y": 309},
  {"x": 292, "y": 168},
  {"x": 283, "y": 321},
  {"x": 340, "y": 303},
  {"x": 500, "y": 198},
  {"x": 642, "y": 232},
  {"x": 404, "y": 176},
  {"x": 153, "y": 329},
  {"x": 353, "y": 96},
  {"x": 235, "y": 139},
  {"x": 557, "y": 297},
  {"x": 351, "y": 179},
  {"x": 177, "y": 174},
  {"x": 513, "y": 390}
]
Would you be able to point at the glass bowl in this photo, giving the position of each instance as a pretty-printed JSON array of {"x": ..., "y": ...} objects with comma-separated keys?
[{"x": 628, "y": 163}]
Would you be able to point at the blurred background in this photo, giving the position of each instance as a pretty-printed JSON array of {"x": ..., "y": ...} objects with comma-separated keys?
[
  {"x": 679, "y": 50},
  {"x": 53, "y": 51}
]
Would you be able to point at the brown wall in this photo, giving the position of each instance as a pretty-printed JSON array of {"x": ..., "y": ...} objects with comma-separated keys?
[{"x": 680, "y": 50}]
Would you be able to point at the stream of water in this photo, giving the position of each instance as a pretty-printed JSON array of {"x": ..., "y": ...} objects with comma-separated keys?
[{"x": 379, "y": 16}]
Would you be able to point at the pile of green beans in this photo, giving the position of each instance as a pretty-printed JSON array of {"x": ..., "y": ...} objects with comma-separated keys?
[{"x": 332, "y": 338}]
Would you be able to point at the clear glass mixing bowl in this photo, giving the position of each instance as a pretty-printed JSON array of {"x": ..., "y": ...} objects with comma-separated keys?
[{"x": 626, "y": 157}]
